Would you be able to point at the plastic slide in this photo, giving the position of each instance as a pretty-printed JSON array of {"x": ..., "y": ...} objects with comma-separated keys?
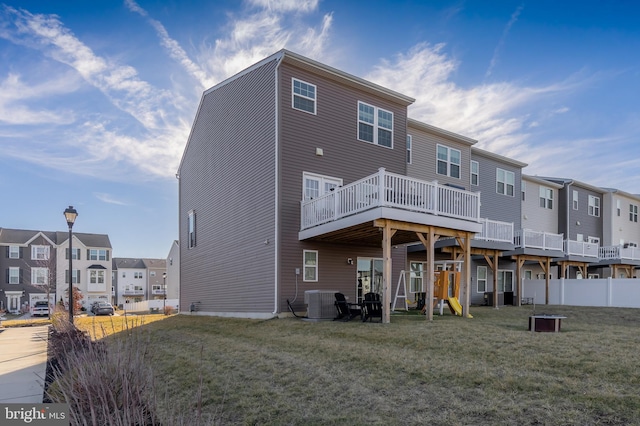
[{"x": 456, "y": 307}]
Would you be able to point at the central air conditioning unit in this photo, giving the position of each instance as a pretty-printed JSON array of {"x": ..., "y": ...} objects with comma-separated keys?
[{"x": 320, "y": 304}]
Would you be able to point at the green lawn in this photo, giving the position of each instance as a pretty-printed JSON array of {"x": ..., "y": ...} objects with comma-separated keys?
[{"x": 488, "y": 370}]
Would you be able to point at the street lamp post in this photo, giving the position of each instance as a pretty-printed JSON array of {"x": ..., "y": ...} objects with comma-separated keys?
[
  {"x": 164, "y": 289},
  {"x": 70, "y": 214}
]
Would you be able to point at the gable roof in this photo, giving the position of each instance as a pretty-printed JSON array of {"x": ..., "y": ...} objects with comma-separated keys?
[
  {"x": 497, "y": 157},
  {"x": 24, "y": 237},
  {"x": 128, "y": 262},
  {"x": 411, "y": 122}
]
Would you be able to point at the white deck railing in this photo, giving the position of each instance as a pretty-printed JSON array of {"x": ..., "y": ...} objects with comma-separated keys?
[
  {"x": 538, "y": 239},
  {"x": 619, "y": 252},
  {"x": 581, "y": 248},
  {"x": 385, "y": 189},
  {"x": 495, "y": 230}
]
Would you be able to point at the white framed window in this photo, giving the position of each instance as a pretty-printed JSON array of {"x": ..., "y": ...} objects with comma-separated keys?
[
  {"x": 448, "y": 161},
  {"x": 416, "y": 280},
  {"x": 14, "y": 275},
  {"x": 310, "y": 265},
  {"x": 594, "y": 206},
  {"x": 39, "y": 276},
  {"x": 375, "y": 125},
  {"x": 75, "y": 253},
  {"x": 546, "y": 197},
  {"x": 137, "y": 275},
  {"x": 191, "y": 229},
  {"x": 481, "y": 280},
  {"x": 618, "y": 207},
  {"x": 152, "y": 273},
  {"x": 75, "y": 276},
  {"x": 593, "y": 240},
  {"x": 633, "y": 213},
  {"x": 96, "y": 276},
  {"x": 593, "y": 276},
  {"x": 528, "y": 274},
  {"x": 523, "y": 189},
  {"x": 315, "y": 185},
  {"x": 39, "y": 252},
  {"x": 409, "y": 148},
  {"x": 303, "y": 96},
  {"x": 505, "y": 182},
  {"x": 97, "y": 254},
  {"x": 14, "y": 252},
  {"x": 505, "y": 280},
  {"x": 575, "y": 199},
  {"x": 475, "y": 173}
]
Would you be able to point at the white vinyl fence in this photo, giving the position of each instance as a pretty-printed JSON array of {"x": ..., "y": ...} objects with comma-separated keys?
[
  {"x": 607, "y": 292},
  {"x": 148, "y": 305}
]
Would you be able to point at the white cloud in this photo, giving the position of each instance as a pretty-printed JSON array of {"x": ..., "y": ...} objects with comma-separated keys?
[
  {"x": 285, "y": 5},
  {"x": 489, "y": 113},
  {"x": 108, "y": 198},
  {"x": 505, "y": 33}
]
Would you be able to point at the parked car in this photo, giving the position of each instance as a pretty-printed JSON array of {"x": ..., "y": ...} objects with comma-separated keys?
[
  {"x": 103, "y": 308},
  {"x": 93, "y": 307},
  {"x": 40, "y": 308}
]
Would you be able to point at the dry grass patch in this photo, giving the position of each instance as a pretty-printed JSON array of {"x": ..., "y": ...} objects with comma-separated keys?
[{"x": 488, "y": 370}]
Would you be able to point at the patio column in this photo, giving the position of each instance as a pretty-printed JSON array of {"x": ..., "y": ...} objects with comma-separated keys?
[{"x": 387, "y": 234}]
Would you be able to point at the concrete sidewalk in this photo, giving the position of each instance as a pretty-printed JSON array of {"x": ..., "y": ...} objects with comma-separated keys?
[{"x": 23, "y": 363}]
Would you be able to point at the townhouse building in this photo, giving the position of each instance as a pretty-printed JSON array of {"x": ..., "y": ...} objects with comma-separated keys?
[
  {"x": 35, "y": 265},
  {"x": 131, "y": 280},
  {"x": 294, "y": 178},
  {"x": 156, "y": 278}
]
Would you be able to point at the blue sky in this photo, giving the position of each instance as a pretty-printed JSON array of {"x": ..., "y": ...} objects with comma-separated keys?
[{"x": 97, "y": 97}]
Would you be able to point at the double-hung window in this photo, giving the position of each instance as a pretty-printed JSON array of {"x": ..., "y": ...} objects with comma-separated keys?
[
  {"x": 409, "y": 147},
  {"x": 633, "y": 212},
  {"x": 39, "y": 276},
  {"x": 481, "y": 279},
  {"x": 40, "y": 252},
  {"x": 75, "y": 255},
  {"x": 475, "y": 173},
  {"x": 303, "y": 96},
  {"x": 375, "y": 125},
  {"x": 546, "y": 197},
  {"x": 75, "y": 276},
  {"x": 594, "y": 206},
  {"x": 97, "y": 254},
  {"x": 96, "y": 276},
  {"x": 14, "y": 275},
  {"x": 448, "y": 161},
  {"x": 575, "y": 199},
  {"x": 416, "y": 278},
  {"x": 310, "y": 265},
  {"x": 14, "y": 252},
  {"x": 505, "y": 182}
]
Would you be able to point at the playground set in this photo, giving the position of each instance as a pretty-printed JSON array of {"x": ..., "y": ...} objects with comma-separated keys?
[{"x": 446, "y": 289}]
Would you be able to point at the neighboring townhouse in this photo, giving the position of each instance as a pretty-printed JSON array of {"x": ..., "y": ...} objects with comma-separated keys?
[
  {"x": 27, "y": 262},
  {"x": 156, "y": 278},
  {"x": 37, "y": 265},
  {"x": 620, "y": 234},
  {"x": 131, "y": 282},
  {"x": 294, "y": 178},
  {"x": 498, "y": 179},
  {"x": 91, "y": 261},
  {"x": 173, "y": 271},
  {"x": 540, "y": 216}
]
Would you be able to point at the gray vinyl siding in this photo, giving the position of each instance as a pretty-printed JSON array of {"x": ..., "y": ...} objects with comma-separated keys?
[
  {"x": 497, "y": 206},
  {"x": 228, "y": 178},
  {"x": 424, "y": 158},
  {"x": 334, "y": 130},
  {"x": 579, "y": 221}
]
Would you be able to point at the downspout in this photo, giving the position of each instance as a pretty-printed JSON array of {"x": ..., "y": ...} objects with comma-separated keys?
[{"x": 276, "y": 241}]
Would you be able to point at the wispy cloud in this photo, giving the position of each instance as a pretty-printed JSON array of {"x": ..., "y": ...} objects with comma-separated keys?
[
  {"x": 491, "y": 113},
  {"x": 108, "y": 198},
  {"x": 505, "y": 33},
  {"x": 147, "y": 137},
  {"x": 176, "y": 52}
]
